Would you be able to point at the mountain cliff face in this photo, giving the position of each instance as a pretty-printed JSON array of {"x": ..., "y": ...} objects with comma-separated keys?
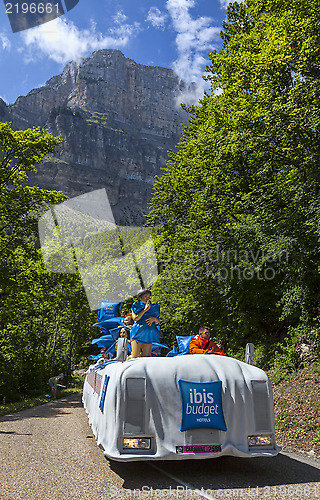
[{"x": 118, "y": 120}]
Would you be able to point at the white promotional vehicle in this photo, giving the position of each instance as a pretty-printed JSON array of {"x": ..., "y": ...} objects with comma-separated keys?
[{"x": 182, "y": 407}]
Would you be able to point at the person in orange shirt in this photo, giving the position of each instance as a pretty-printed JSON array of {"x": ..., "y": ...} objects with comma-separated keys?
[{"x": 202, "y": 344}]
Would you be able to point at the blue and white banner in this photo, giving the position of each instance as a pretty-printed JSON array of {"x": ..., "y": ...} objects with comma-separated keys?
[
  {"x": 103, "y": 393},
  {"x": 201, "y": 405}
]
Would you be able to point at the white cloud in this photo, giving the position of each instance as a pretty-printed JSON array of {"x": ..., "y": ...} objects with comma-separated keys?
[
  {"x": 156, "y": 18},
  {"x": 225, "y": 3},
  {"x": 62, "y": 41},
  {"x": 5, "y": 42},
  {"x": 195, "y": 38},
  {"x": 191, "y": 94}
]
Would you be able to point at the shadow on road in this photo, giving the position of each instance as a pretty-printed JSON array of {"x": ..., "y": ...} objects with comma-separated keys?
[
  {"x": 51, "y": 409},
  {"x": 219, "y": 473}
]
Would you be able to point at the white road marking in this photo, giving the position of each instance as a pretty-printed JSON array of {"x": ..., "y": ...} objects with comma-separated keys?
[{"x": 183, "y": 483}]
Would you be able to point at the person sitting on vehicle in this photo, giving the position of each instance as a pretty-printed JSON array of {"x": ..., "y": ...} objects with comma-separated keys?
[
  {"x": 124, "y": 333},
  {"x": 128, "y": 320},
  {"x": 202, "y": 344}
]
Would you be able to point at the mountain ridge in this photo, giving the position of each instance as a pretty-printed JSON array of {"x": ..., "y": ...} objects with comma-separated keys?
[{"x": 118, "y": 119}]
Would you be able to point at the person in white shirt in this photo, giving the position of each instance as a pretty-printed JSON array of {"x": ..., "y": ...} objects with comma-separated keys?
[{"x": 54, "y": 382}]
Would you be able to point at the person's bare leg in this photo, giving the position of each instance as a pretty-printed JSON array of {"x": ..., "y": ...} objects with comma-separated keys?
[
  {"x": 136, "y": 348},
  {"x": 146, "y": 350}
]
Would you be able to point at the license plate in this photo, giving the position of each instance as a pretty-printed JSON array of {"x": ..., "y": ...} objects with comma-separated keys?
[{"x": 202, "y": 448}]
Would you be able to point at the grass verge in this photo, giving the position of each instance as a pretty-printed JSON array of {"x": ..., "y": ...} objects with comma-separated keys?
[
  {"x": 75, "y": 386},
  {"x": 297, "y": 410}
]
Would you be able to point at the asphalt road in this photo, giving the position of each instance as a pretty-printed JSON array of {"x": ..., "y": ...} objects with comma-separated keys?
[{"x": 49, "y": 453}]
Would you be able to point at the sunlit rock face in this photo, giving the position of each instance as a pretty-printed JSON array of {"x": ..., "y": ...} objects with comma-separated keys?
[{"x": 118, "y": 120}]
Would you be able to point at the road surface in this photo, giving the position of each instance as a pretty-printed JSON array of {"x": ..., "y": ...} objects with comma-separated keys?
[{"x": 48, "y": 453}]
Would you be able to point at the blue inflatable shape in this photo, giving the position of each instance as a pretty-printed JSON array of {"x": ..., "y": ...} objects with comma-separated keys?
[
  {"x": 157, "y": 345},
  {"x": 112, "y": 349},
  {"x": 201, "y": 405},
  {"x": 103, "y": 337},
  {"x": 174, "y": 351},
  {"x": 110, "y": 323},
  {"x": 114, "y": 332},
  {"x": 183, "y": 343},
  {"x": 104, "y": 341},
  {"x": 108, "y": 309},
  {"x": 104, "y": 331},
  {"x": 92, "y": 357}
]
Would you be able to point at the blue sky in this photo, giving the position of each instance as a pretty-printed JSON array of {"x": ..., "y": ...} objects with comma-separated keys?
[{"x": 176, "y": 34}]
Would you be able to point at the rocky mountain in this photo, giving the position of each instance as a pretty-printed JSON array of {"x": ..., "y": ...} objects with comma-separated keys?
[{"x": 118, "y": 120}]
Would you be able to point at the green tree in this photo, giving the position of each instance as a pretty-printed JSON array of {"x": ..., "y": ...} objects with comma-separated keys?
[
  {"x": 21, "y": 204},
  {"x": 237, "y": 208},
  {"x": 45, "y": 325},
  {"x": 44, "y": 317}
]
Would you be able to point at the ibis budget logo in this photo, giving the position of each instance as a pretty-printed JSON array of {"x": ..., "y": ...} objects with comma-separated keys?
[{"x": 201, "y": 405}]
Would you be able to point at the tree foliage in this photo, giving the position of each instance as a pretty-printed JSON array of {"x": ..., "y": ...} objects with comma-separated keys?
[
  {"x": 237, "y": 208},
  {"x": 44, "y": 317},
  {"x": 19, "y": 203}
]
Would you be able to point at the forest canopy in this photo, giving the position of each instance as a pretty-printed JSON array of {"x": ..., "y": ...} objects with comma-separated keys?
[
  {"x": 44, "y": 317},
  {"x": 236, "y": 213}
]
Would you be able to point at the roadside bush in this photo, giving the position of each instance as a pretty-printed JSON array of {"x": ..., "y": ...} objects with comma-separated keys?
[{"x": 285, "y": 355}]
